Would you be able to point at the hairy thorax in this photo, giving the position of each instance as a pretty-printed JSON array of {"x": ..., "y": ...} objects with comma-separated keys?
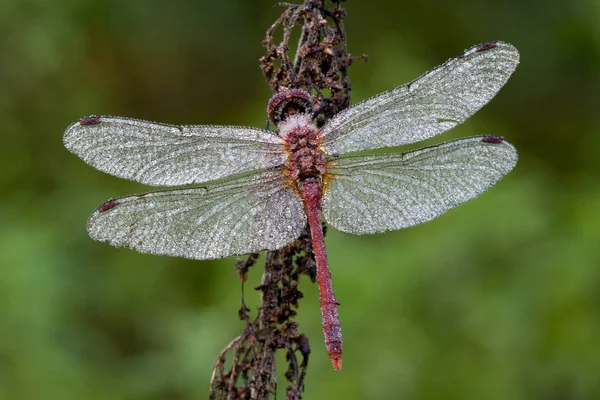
[{"x": 305, "y": 159}]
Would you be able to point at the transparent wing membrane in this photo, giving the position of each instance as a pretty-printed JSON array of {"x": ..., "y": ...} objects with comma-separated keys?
[
  {"x": 169, "y": 155},
  {"x": 429, "y": 105},
  {"x": 387, "y": 192},
  {"x": 245, "y": 204},
  {"x": 244, "y": 215}
]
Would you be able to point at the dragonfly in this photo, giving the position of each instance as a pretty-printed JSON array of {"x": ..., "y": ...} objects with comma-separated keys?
[{"x": 256, "y": 189}]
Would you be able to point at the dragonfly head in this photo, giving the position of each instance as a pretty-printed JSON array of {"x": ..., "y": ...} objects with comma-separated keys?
[{"x": 289, "y": 102}]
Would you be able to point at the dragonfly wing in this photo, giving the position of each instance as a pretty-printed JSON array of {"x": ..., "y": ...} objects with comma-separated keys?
[
  {"x": 429, "y": 105},
  {"x": 373, "y": 194},
  {"x": 169, "y": 155},
  {"x": 236, "y": 216}
]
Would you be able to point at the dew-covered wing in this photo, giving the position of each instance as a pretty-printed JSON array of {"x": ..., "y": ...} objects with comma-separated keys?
[
  {"x": 393, "y": 191},
  {"x": 248, "y": 214},
  {"x": 429, "y": 105},
  {"x": 168, "y": 155}
]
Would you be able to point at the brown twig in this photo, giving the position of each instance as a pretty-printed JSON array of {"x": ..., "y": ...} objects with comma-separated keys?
[{"x": 321, "y": 62}]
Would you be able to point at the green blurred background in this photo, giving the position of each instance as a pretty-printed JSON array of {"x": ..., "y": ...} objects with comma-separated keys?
[{"x": 498, "y": 299}]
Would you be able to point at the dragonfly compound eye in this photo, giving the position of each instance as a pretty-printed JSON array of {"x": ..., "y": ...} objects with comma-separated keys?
[{"x": 289, "y": 102}]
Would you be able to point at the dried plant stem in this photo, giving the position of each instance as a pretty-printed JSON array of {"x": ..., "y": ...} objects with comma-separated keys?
[{"x": 321, "y": 62}]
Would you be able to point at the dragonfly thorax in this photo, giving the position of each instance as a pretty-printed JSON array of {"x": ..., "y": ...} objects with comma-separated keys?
[
  {"x": 305, "y": 159},
  {"x": 287, "y": 103}
]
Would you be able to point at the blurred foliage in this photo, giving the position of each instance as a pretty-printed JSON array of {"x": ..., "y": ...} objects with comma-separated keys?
[{"x": 498, "y": 299}]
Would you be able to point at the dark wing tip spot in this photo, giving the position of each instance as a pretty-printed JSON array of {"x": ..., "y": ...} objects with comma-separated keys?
[
  {"x": 486, "y": 46},
  {"x": 444, "y": 120},
  {"x": 107, "y": 205},
  {"x": 91, "y": 120},
  {"x": 492, "y": 139}
]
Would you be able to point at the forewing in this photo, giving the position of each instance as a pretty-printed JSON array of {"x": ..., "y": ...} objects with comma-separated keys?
[
  {"x": 387, "y": 192},
  {"x": 168, "y": 155},
  {"x": 429, "y": 105},
  {"x": 248, "y": 214}
]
